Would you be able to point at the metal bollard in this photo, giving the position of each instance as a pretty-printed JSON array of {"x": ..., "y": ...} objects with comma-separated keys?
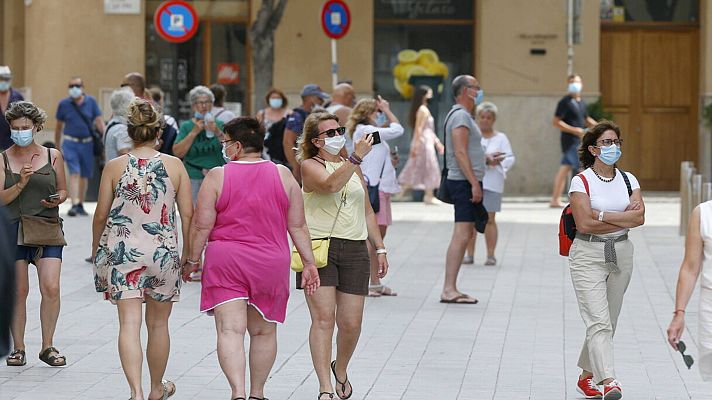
[
  {"x": 696, "y": 191},
  {"x": 686, "y": 171},
  {"x": 706, "y": 191}
]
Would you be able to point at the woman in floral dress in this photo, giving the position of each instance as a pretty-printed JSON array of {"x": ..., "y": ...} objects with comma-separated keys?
[{"x": 135, "y": 246}]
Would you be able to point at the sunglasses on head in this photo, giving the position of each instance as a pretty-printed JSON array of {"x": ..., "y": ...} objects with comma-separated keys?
[
  {"x": 687, "y": 359},
  {"x": 334, "y": 131}
]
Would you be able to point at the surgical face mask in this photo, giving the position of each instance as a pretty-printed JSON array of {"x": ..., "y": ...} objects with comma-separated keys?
[
  {"x": 478, "y": 98},
  {"x": 275, "y": 103},
  {"x": 4, "y": 86},
  {"x": 575, "y": 87},
  {"x": 333, "y": 145},
  {"x": 198, "y": 115},
  {"x": 610, "y": 154},
  {"x": 75, "y": 92},
  {"x": 21, "y": 138},
  {"x": 224, "y": 152},
  {"x": 317, "y": 107},
  {"x": 381, "y": 119}
]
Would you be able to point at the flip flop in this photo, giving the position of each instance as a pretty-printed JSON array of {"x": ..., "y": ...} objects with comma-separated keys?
[
  {"x": 460, "y": 299},
  {"x": 380, "y": 290},
  {"x": 166, "y": 392},
  {"x": 343, "y": 384}
]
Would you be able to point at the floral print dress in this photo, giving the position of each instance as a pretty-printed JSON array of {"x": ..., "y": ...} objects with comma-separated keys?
[{"x": 138, "y": 250}]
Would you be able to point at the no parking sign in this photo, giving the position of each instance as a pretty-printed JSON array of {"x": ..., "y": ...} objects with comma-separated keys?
[
  {"x": 176, "y": 21},
  {"x": 335, "y": 19}
]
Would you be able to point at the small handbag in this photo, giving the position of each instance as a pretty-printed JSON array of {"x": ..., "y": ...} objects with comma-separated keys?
[
  {"x": 36, "y": 230},
  {"x": 320, "y": 247},
  {"x": 443, "y": 194},
  {"x": 373, "y": 195}
]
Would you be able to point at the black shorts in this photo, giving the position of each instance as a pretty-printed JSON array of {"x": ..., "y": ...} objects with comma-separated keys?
[
  {"x": 465, "y": 209},
  {"x": 349, "y": 267}
]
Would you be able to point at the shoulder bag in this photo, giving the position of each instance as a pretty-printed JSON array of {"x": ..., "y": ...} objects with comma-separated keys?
[
  {"x": 373, "y": 196},
  {"x": 320, "y": 247},
  {"x": 443, "y": 193},
  {"x": 96, "y": 136},
  {"x": 36, "y": 230}
]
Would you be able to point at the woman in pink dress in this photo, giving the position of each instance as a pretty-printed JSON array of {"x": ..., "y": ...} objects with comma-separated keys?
[
  {"x": 421, "y": 170},
  {"x": 244, "y": 212}
]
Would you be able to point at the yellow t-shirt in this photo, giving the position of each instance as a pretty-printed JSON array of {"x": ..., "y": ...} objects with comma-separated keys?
[{"x": 320, "y": 209}]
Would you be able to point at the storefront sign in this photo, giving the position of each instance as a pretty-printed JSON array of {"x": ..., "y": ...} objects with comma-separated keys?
[
  {"x": 229, "y": 73},
  {"x": 335, "y": 19},
  {"x": 176, "y": 21},
  {"x": 122, "y": 6},
  {"x": 424, "y": 9}
]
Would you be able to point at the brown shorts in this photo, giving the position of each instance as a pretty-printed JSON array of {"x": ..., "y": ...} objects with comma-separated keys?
[{"x": 349, "y": 267}]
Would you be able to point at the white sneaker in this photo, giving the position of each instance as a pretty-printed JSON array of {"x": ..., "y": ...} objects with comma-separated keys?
[{"x": 468, "y": 260}]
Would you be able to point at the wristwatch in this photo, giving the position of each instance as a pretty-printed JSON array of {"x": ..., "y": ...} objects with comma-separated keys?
[{"x": 600, "y": 216}]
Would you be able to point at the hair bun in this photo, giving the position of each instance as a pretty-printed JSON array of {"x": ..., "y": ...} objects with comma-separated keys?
[{"x": 143, "y": 121}]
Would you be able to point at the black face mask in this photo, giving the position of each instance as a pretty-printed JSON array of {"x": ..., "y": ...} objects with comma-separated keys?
[{"x": 429, "y": 100}]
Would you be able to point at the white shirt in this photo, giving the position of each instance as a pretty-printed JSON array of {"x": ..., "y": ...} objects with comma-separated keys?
[
  {"x": 380, "y": 157},
  {"x": 495, "y": 175},
  {"x": 606, "y": 196},
  {"x": 222, "y": 114}
]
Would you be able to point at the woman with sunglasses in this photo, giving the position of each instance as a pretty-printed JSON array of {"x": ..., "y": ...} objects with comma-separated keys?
[
  {"x": 606, "y": 202},
  {"x": 698, "y": 253},
  {"x": 336, "y": 205},
  {"x": 377, "y": 170},
  {"x": 34, "y": 185}
]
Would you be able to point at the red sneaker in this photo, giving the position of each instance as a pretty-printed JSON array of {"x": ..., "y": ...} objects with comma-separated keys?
[
  {"x": 612, "y": 391},
  {"x": 587, "y": 388}
]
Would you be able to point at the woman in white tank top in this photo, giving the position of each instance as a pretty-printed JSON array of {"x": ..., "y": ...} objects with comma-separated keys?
[{"x": 698, "y": 258}]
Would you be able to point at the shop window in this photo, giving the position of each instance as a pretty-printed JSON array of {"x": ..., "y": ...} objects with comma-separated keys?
[{"x": 679, "y": 11}]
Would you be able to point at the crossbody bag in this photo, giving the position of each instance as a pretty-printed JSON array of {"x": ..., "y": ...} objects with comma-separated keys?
[
  {"x": 373, "y": 196},
  {"x": 443, "y": 193},
  {"x": 97, "y": 142}
]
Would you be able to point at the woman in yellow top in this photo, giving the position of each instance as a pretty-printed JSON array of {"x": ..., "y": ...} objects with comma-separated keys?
[{"x": 335, "y": 195}]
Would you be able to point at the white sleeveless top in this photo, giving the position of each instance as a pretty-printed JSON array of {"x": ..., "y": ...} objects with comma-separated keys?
[{"x": 706, "y": 233}]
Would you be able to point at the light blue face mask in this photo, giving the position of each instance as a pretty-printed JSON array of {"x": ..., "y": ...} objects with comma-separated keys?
[
  {"x": 381, "y": 119},
  {"x": 4, "y": 86},
  {"x": 479, "y": 97},
  {"x": 575, "y": 87},
  {"x": 610, "y": 154},
  {"x": 275, "y": 103},
  {"x": 75, "y": 92},
  {"x": 21, "y": 138},
  {"x": 198, "y": 115}
]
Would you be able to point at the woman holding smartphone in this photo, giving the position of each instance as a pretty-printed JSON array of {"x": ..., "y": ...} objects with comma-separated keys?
[
  {"x": 377, "y": 169},
  {"x": 34, "y": 185}
]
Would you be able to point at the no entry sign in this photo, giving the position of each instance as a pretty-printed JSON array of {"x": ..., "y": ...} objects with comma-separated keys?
[
  {"x": 176, "y": 21},
  {"x": 335, "y": 19}
]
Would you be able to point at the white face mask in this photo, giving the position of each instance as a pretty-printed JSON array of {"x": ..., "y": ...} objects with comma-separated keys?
[{"x": 333, "y": 145}]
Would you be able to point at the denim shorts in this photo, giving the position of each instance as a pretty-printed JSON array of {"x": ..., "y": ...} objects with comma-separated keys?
[
  {"x": 31, "y": 253},
  {"x": 79, "y": 158},
  {"x": 570, "y": 156},
  {"x": 465, "y": 209}
]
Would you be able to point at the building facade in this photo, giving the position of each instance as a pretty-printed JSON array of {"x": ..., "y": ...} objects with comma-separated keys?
[{"x": 647, "y": 61}]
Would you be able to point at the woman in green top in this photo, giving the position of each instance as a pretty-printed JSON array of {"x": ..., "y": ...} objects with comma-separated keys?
[
  {"x": 199, "y": 139},
  {"x": 34, "y": 185}
]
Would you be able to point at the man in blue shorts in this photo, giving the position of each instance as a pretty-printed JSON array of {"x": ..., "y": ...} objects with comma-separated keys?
[
  {"x": 571, "y": 118},
  {"x": 76, "y": 116}
]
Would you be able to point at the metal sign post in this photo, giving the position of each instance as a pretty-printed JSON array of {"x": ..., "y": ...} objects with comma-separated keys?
[{"x": 335, "y": 20}]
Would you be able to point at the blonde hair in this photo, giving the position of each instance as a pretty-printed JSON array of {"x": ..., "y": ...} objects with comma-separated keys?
[
  {"x": 144, "y": 121},
  {"x": 307, "y": 149},
  {"x": 359, "y": 115}
]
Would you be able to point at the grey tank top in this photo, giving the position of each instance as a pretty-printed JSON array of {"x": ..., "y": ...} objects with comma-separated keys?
[{"x": 41, "y": 184}]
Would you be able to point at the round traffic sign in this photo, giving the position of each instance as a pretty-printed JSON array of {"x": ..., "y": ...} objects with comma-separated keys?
[
  {"x": 335, "y": 19},
  {"x": 176, "y": 21}
]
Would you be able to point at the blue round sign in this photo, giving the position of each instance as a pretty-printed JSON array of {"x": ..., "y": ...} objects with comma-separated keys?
[
  {"x": 335, "y": 19},
  {"x": 176, "y": 21}
]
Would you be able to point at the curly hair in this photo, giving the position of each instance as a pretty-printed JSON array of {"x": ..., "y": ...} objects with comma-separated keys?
[
  {"x": 307, "y": 149},
  {"x": 359, "y": 115},
  {"x": 591, "y": 137},
  {"x": 144, "y": 121},
  {"x": 26, "y": 109}
]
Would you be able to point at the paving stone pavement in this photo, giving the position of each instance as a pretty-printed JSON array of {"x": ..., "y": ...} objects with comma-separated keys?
[{"x": 520, "y": 342}]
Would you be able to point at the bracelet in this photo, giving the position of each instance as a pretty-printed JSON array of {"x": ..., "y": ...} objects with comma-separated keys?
[
  {"x": 354, "y": 155},
  {"x": 600, "y": 216},
  {"x": 381, "y": 251},
  {"x": 354, "y": 161},
  {"x": 192, "y": 262},
  {"x": 677, "y": 311}
]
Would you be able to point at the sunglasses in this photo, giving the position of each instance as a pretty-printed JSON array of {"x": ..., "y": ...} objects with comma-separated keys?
[
  {"x": 333, "y": 132},
  {"x": 41, "y": 173},
  {"x": 75, "y": 86},
  {"x": 685, "y": 357}
]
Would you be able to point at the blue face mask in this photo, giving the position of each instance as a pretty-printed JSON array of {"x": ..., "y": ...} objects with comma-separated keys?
[
  {"x": 198, "y": 115},
  {"x": 4, "y": 86},
  {"x": 480, "y": 96},
  {"x": 75, "y": 92},
  {"x": 381, "y": 119},
  {"x": 575, "y": 87},
  {"x": 21, "y": 138},
  {"x": 275, "y": 103},
  {"x": 610, "y": 154}
]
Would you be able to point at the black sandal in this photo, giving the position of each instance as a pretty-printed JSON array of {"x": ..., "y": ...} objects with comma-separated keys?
[
  {"x": 56, "y": 360},
  {"x": 239, "y": 398},
  {"x": 343, "y": 384},
  {"x": 257, "y": 398},
  {"x": 331, "y": 395},
  {"x": 17, "y": 358}
]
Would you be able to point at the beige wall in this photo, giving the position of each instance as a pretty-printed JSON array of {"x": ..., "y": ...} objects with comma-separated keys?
[
  {"x": 705, "y": 135},
  {"x": 303, "y": 51},
  {"x": 13, "y": 38},
  {"x": 79, "y": 40}
]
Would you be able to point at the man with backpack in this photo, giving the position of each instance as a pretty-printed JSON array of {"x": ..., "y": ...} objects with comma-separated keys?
[
  {"x": 219, "y": 111},
  {"x": 312, "y": 99},
  {"x": 78, "y": 117}
]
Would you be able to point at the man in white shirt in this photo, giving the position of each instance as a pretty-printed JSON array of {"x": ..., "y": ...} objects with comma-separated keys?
[{"x": 219, "y": 111}]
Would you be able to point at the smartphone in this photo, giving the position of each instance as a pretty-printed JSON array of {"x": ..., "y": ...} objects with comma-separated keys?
[
  {"x": 394, "y": 151},
  {"x": 52, "y": 198},
  {"x": 376, "y": 137}
]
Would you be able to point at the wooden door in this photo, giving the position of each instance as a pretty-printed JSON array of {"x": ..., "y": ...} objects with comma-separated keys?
[{"x": 649, "y": 81}]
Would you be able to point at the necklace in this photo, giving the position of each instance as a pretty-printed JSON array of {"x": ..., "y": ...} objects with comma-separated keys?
[{"x": 602, "y": 178}]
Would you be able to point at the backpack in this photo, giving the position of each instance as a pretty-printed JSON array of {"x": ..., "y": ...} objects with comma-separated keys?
[
  {"x": 567, "y": 224},
  {"x": 274, "y": 136}
]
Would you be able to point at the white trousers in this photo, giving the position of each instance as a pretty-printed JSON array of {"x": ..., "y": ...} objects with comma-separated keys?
[{"x": 600, "y": 296}]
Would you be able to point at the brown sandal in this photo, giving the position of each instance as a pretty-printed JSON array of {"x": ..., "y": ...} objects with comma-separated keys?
[
  {"x": 168, "y": 391},
  {"x": 54, "y": 360},
  {"x": 17, "y": 358}
]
